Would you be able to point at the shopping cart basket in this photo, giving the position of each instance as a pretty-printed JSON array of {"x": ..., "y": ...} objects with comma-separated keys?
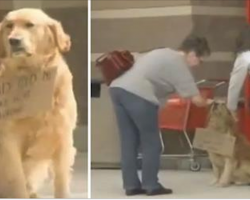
[{"x": 182, "y": 115}]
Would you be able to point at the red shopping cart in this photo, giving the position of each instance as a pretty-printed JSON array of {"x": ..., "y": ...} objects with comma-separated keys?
[
  {"x": 244, "y": 111},
  {"x": 181, "y": 115}
]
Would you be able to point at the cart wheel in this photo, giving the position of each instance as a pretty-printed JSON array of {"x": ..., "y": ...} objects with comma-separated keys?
[{"x": 195, "y": 166}]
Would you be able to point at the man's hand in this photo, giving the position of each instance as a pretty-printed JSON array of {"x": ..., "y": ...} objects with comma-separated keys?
[
  {"x": 210, "y": 101},
  {"x": 200, "y": 101}
]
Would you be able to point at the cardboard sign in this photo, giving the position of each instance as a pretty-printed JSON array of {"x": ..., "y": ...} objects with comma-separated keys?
[
  {"x": 26, "y": 95},
  {"x": 213, "y": 141}
]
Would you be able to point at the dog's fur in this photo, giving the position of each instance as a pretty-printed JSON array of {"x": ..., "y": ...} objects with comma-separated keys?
[
  {"x": 235, "y": 169},
  {"x": 30, "y": 146}
]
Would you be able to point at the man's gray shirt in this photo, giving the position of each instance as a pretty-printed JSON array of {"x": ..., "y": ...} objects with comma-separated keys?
[{"x": 157, "y": 74}]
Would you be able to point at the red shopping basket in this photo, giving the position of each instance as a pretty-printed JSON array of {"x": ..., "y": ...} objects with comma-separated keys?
[{"x": 180, "y": 114}]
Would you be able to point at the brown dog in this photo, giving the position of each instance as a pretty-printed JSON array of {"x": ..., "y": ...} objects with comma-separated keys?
[
  {"x": 31, "y": 145},
  {"x": 235, "y": 169}
]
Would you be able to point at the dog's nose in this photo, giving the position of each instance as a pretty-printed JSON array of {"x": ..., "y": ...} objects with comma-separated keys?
[{"x": 14, "y": 41}]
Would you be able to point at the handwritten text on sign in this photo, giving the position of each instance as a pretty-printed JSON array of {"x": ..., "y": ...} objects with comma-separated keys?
[
  {"x": 26, "y": 95},
  {"x": 213, "y": 141}
]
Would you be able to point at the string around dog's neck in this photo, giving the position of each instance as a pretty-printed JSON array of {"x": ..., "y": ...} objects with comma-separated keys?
[{"x": 42, "y": 63}]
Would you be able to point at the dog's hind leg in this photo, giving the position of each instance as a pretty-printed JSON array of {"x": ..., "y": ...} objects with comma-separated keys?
[{"x": 242, "y": 174}]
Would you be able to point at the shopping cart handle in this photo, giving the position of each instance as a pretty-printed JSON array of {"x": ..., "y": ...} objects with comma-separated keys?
[
  {"x": 218, "y": 80},
  {"x": 201, "y": 81},
  {"x": 212, "y": 80}
]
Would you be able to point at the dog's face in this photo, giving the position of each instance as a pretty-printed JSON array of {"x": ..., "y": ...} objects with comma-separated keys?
[
  {"x": 220, "y": 118},
  {"x": 28, "y": 32}
]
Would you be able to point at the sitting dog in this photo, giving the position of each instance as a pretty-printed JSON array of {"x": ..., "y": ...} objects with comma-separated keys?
[
  {"x": 235, "y": 169},
  {"x": 32, "y": 146}
]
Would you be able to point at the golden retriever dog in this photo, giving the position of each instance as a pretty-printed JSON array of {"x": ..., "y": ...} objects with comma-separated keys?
[
  {"x": 30, "y": 147},
  {"x": 235, "y": 169}
]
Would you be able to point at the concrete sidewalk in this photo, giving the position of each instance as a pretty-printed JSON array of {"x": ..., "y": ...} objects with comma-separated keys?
[{"x": 185, "y": 184}]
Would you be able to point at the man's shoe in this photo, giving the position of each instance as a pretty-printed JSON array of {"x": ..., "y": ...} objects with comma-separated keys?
[
  {"x": 159, "y": 191},
  {"x": 133, "y": 192}
]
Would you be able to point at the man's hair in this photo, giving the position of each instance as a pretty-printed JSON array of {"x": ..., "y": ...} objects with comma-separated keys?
[
  {"x": 197, "y": 44},
  {"x": 243, "y": 40}
]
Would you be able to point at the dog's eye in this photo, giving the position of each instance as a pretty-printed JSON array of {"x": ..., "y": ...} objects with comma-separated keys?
[
  {"x": 10, "y": 25},
  {"x": 29, "y": 25}
]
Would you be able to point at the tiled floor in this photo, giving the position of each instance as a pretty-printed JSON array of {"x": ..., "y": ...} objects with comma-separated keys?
[
  {"x": 185, "y": 184},
  {"x": 79, "y": 180}
]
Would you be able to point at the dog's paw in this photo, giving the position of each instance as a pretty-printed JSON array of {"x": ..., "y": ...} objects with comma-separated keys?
[
  {"x": 223, "y": 183},
  {"x": 242, "y": 183},
  {"x": 213, "y": 182},
  {"x": 34, "y": 196}
]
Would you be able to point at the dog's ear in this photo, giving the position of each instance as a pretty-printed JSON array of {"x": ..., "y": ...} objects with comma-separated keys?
[
  {"x": 213, "y": 106},
  {"x": 62, "y": 40},
  {"x": 2, "y": 48},
  {"x": 211, "y": 109}
]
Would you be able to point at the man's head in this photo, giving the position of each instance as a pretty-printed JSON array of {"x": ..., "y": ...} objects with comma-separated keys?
[
  {"x": 243, "y": 40},
  {"x": 195, "y": 48}
]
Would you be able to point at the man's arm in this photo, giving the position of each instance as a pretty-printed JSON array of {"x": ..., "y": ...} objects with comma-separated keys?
[
  {"x": 186, "y": 87},
  {"x": 237, "y": 79}
]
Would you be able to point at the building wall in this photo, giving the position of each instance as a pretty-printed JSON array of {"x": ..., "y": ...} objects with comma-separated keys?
[
  {"x": 221, "y": 24},
  {"x": 137, "y": 25}
]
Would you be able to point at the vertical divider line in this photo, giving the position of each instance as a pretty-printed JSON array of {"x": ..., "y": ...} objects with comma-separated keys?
[{"x": 89, "y": 99}]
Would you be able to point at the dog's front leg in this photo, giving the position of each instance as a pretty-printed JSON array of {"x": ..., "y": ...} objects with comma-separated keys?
[
  {"x": 225, "y": 179},
  {"x": 62, "y": 171},
  {"x": 12, "y": 179},
  {"x": 217, "y": 174}
]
